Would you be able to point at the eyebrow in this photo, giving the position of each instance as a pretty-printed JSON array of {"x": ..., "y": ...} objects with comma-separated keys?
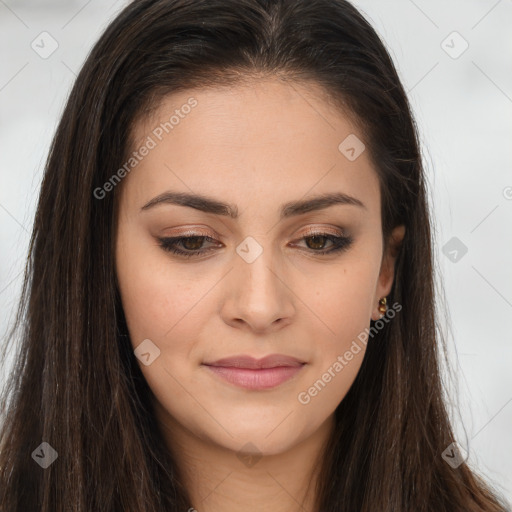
[{"x": 210, "y": 205}]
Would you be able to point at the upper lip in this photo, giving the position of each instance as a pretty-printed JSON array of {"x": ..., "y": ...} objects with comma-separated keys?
[{"x": 244, "y": 361}]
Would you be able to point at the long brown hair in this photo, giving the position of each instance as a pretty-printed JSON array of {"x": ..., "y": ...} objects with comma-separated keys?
[{"x": 76, "y": 384}]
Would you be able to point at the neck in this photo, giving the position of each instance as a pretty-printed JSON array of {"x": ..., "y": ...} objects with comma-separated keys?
[{"x": 219, "y": 479}]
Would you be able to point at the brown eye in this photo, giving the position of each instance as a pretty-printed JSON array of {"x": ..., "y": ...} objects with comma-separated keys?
[
  {"x": 191, "y": 245},
  {"x": 188, "y": 246},
  {"x": 315, "y": 243}
]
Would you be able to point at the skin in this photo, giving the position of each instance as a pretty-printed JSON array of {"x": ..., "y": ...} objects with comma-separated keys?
[{"x": 256, "y": 146}]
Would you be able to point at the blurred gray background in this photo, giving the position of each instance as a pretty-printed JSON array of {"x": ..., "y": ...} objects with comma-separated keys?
[{"x": 455, "y": 60}]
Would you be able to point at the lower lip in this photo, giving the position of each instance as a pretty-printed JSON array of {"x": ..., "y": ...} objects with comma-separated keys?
[{"x": 264, "y": 378}]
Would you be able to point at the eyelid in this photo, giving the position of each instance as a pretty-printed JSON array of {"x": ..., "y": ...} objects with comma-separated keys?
[
  {"x": 193, "y": 231},
  {"x": 340, "y": 243},
  {"x": 312, "y": 231}
]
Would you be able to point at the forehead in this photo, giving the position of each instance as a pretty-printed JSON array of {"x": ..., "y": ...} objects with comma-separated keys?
[
  {"x": 269, "y": 138},
  {"x": 297, "y": 108}
]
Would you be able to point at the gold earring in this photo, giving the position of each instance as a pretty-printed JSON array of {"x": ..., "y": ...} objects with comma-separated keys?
[{"x": 383, "y": 306}]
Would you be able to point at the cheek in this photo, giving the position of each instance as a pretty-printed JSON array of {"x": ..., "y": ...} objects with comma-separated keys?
[
  {"x": 158, "y": 301},
  {"x": 330, "y": 381},
  {"x": 342, "y": 303},
  {"x": 343, "y": 296},
  {"x": 162, "y": 305},
  {"x": 336, "y": 363}
]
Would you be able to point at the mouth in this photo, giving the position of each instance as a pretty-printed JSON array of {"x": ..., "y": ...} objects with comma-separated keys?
[{"x": 256, "y": 374}]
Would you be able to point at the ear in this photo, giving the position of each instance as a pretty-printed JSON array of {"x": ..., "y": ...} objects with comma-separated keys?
[{"x": 387, "y": 268}]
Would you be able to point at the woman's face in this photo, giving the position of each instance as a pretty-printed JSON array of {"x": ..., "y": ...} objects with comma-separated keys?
[{"x": 279, "y": 273}]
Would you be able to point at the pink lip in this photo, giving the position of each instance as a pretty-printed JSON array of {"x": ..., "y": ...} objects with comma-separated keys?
[{"x": 247, "y": 372}]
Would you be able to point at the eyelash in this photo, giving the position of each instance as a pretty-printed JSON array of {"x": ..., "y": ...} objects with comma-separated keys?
[{"x": 340, "y": 243}]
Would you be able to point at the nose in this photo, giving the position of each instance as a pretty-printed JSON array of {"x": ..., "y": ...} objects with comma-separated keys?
[{"x": 257, "y": 295}]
